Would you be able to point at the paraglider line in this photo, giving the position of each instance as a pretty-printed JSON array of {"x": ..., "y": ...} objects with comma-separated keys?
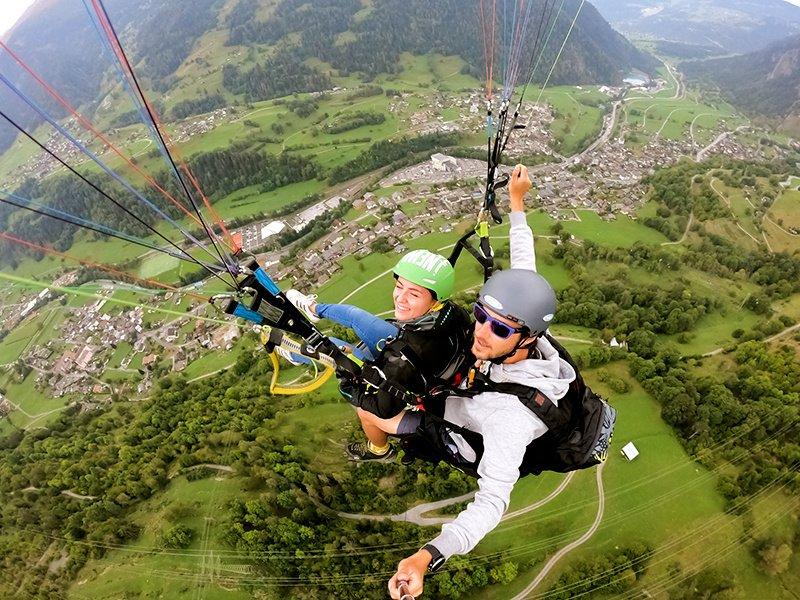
[
  {"x": 96, "y": 188},
  {"x": 108, "y": 26},
  {"x": 88, "y": 263}
]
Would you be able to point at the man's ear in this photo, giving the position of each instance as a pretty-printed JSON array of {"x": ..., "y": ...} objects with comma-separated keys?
[{"x": 530, "y": 342}]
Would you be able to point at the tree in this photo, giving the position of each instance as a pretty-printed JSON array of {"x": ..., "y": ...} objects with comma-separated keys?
[
  {"x": 775, "y": 559},
  {"x": 178, "y": 536},
  {"x": 503, "y": 573}
]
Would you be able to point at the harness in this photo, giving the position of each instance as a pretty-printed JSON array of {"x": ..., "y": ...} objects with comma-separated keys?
[
  {"x": 579, "y": 427},
  {"x": 430, "y": 354}
]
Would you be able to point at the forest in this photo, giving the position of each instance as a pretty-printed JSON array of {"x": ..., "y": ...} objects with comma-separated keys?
[{"x": 219, "y": 172}]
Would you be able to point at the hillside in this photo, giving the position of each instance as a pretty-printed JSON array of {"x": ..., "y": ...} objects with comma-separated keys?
[
  {"x": 301, "y": 46},
  {"x": 723, "y": 26},
  {"x": 763, "y": 82}
]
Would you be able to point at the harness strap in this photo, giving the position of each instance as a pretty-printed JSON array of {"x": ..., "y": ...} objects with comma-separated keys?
[{"x": 532, "y": 398}]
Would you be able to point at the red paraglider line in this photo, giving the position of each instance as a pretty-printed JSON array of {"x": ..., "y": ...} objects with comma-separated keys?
[
  {"x": 88, "y": 125},
  {"x": 123, "y": 60}
]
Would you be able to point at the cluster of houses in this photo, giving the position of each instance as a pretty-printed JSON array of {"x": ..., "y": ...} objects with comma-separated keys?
[{"x": 75, "y": 361}]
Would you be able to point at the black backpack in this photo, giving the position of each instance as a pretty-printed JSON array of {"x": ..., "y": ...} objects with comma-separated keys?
[{"x": 578, "y": 436}]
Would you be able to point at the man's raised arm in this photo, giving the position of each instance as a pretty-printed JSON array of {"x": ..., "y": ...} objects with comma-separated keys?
[{"x": 523, "y": 255}]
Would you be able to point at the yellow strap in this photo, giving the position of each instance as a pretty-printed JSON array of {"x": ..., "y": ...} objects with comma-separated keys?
[
  {"x": 292, "y": 390},
  {"x": 482, "y": 229}
]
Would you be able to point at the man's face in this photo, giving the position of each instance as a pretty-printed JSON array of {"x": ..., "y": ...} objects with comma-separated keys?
[{"x": 487, "y": 345}]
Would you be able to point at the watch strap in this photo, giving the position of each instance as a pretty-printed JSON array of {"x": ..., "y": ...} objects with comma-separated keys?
[{"x": 437, "y": 560}]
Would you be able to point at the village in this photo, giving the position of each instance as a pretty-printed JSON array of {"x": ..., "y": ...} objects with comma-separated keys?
[{"x": 86, "y": 348}]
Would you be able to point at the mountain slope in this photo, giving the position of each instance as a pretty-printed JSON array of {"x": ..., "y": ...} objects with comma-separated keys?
[
  {"x": 732, "y": 26},
  {"x": 268, "y": 44},
  {"x": 765, "y": 82}
]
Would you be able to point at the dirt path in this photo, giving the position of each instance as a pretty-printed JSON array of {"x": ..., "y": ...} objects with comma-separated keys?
[
  {"x": 771, "y": 338},
  {"x": 601, "y": 505},
  {"x": 691, "y": 127},
  {"x": 685, "y": 233},
  {"x": 71, "y": 494},
  {"x": 733, "y": 216}
]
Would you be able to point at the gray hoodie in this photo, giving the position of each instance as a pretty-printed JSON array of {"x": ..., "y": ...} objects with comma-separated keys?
[{"x": 506, "y": 425}]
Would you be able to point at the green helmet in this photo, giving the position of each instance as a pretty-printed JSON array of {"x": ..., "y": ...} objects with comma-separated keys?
[{"x": 429, "y": 270}]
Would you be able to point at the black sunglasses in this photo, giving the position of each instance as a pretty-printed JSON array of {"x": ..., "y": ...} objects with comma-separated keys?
[{"x": 498, "y": 328}]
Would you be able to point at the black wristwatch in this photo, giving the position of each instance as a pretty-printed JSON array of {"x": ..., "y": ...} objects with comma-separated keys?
[{"x": 437, "y": 560}]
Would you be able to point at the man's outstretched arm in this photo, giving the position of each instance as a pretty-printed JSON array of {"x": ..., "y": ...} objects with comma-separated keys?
[{"x": 523, "y": 255}]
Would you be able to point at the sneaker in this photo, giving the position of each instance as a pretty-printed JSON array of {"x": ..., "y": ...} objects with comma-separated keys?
[
  {"x": 293, "y": 358},
  {"x": 303, "y": 303},
  {"x": 358, "y": 452}
]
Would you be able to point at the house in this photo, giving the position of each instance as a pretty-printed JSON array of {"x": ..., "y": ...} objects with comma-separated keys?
[
  {"x": 149, "y": 360},
  {"x": 629, "y": 451},
  {"x": 84, "y": 358},
  {"x": 224, "y": 336},
  {"x": 442, "y": 162}
]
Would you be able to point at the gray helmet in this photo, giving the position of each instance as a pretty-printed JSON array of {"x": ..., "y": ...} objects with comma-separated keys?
[{"x": 522, "y": 296}]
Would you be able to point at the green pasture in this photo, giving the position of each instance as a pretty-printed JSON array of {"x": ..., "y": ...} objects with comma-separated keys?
[
  {"x": 38, "y": 329},
  {"x": 531, "y": 538},
  {"x": 789, "y": 306},
  {"x": 741, "y": 209},
  {"x": 575, "y": 123},
  {"x": 36, "y": 407},
  {"x": 672, "y": 119},
  {"x": 317, "y": 431},
  {"x": 786, "y": 209},
  {"x": 622, "y": 232},
  {"x": 727, "y": 228},
  {"x": 17, "y": 155},
  {"x": 106, "y": 251},
  {"x": 122, "y": 350},
  {"x": 780, "y": 239},
  {"x": 213, "y": 361},
  {"x": 145, "y": 569},
  {"x": 662, "y": 497},
  {"x": 156, "y": 264}
]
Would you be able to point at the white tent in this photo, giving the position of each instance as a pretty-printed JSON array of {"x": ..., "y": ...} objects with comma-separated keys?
[{"x": 629, "y": 451}]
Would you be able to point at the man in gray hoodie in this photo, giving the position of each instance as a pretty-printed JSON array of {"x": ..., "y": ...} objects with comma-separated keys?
[{"x": 513, "y": 312}]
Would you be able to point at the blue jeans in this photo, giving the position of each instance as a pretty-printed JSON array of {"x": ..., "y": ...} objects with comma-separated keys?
[{"x": 371, "y": 330}]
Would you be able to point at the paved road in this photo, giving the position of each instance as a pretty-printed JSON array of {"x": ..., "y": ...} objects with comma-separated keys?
[
  {"x": 772, "y": 338},
  {"x": 608, "y": 129},
  {"x": 702, "y": 154},
  {"x": 415, "y": 514},
  {"x": 601, "y": 506}
]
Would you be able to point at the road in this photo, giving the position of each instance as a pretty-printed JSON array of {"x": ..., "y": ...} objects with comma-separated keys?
[
  {"x": 772, "y": 338},
  {"x": 601, "y": 506},
  {"x": 685, "y": 232},
  {"x": 733, "y": 216},
  {"x": 608, "y": 128},
  {"x": 414, "y": 515},
  {"x": 703, "y": 153}
]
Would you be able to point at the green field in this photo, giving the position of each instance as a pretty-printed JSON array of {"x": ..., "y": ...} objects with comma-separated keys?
[
  {"x": 145, "y": 569},
  {"x": 36, "y": 407},
  {"x": 576, "y": 123},
  {"x": 786, "y": 209},
  {"x": 36, "y": 330},
  {"x": 662, "y": 498}
]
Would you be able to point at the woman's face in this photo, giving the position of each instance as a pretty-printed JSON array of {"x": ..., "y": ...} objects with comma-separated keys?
[{"x": 410, "y": 300}]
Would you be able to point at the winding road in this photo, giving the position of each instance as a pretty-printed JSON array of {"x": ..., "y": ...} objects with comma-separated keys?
[
  {"x": 415, "y": 514},
  {"x": 601, "y": 507}
]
